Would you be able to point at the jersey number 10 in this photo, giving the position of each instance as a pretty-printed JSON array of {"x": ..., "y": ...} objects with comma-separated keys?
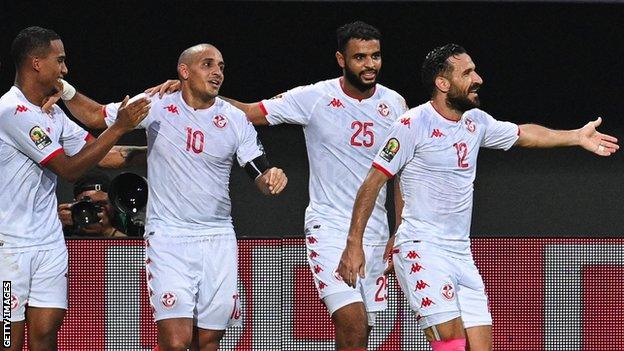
[{"x": 194, "y": 140}]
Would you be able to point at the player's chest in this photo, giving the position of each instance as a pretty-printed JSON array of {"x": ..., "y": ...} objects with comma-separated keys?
[
  {"x": 448, "y": 146},
  {"x": 344, "y": 125},
  {"x": 208, "y": 138}
]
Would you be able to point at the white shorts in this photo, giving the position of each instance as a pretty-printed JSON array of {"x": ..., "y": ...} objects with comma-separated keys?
[
  {"x": 435, "y": 283},
  {"x": 194, "y": 278},
  {"x": 324, "y": 252},
  {"x": 38, "y": 279}
]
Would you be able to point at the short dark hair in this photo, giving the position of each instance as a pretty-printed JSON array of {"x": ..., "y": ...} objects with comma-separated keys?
[
  {"x": 436, "y": 63},
  {"x": 356, "y": 30},
  {"x": 92, "y": 180},
  {"x": 31, "y": 40}
]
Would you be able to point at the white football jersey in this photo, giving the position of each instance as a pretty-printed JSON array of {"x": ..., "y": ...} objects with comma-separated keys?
[
  {"x": 189, "y": 156},
  {"x": 342, "y": 136},
  {"x": 29, "y": 139},
  {"x": 437, "y": 161}
]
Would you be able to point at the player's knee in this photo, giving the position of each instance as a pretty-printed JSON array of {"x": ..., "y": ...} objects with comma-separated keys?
[
  {"x": 449, "y": 345},
  {"x": 175, "y": 344}
]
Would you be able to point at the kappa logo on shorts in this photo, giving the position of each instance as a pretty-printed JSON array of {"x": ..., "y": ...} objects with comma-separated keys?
[
  {"x": 39, "y": 137},
  {"x": 14, "y": 302},
  {"x": 220, "y": 121},
  {"x": 383, "y": 109},
  {"x": 416, "y": 268},
  {"x": 321, "y": 285},
  {"x": 236, "y": 312},
  {"x": 168, "y": 300},
  {"x": 391, "y": 149},
  {"x": 448, "y": 291},
  {"x": 318, "y": 269},
  {"x": 421, "y": 284},
  {"x": 426, "y": 302}
]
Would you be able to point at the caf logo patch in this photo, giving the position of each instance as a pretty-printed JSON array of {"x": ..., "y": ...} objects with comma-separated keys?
[
  {"x": 39, "y": 137},
  {"x": 390, "y": 149}
]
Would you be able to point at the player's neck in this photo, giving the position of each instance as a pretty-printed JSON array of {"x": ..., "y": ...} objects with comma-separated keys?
[
  {"x": 353, "y": 92},
  {"x": 34, "y": 92},
  {"x": 439, "y": 104},
  {"x": 196, "y": 102}
]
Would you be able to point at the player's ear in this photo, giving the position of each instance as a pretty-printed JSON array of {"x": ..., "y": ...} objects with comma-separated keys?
[
  {"x": 340, "y": 59},
  {"x": 183, "y": 71},
  {"x": 442, "y": 84},
  {"x": 35, "y": 62}
]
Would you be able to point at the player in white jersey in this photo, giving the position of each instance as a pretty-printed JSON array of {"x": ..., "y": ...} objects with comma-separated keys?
[
  {"x": 343, "y": 120},
  {"x": 191, "y": 251},
  {"x": 35, "y": 148},
  {"x": 434, "y": 148}
]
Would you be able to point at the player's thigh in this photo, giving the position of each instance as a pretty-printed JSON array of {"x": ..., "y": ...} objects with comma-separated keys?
[
  {"x": 428, "y": 281},
  {"x": 479, "y": 338},
  {"x": 49, "y": 280},
  {"x": 16, "y": 341},
  {"x": 173, "y": 270},
  {"x": 208, "y": 340},
  {"x": 218, "y": 300},
  {"x": 43, "y": 324},
  {"x": 16, "y": 275},
  {"x": 473, "y": 299},
  {"x": 175, "y": 332}
]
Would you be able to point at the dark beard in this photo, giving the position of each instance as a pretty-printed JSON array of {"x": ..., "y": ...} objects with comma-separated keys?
[
  {"x": 457, "y": 101},
  {"x": 354, "y": 80}
]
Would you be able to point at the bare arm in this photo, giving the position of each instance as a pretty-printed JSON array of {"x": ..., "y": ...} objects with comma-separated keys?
[
  {"x": 352, "y": 262},
  {"x": 87, "y": 111},
  {"x": 122, "y": 156},
  {"x": 71, "y": 168},
  {"x": 532, "y": 135}
]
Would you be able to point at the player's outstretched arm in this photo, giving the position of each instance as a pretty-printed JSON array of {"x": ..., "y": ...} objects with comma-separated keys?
[
  {"x": 272, "y": 181},
  {"x": 352, "y": 262},
  {"x": 587, "y": 137},
  {"x": 129, "y": 116},
  {"x": 123, "y": 156},
  {"x": 255, "y": 113},
  {"x": 86, "y": 110}
]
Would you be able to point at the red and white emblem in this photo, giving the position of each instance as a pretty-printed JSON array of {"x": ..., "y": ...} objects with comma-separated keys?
[
  {"x": 383, "y": 109},
  {"x": 168, "y": 300},
  {"x": 447, "y": 291},
  {"x": 14, "y": 302},
  {"x": 470, "y": 125},
  {"x": 220, "y": 121}
]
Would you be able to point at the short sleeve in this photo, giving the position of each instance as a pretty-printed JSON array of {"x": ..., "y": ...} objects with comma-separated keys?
[
  {"x": 73, "y": 137},
  {"x": 498, "y": 134},
  {"x": 398, "y": 148},
  {"x": 110, "y": 112},
  {"x": 294, "y": 106},
  {"x": 249, "y": 146},
  {"x": 24, "y": 132}
]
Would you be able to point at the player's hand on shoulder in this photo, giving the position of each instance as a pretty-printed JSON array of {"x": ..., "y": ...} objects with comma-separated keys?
[
  {"x": 168, "y": 87},
  {"x": 275, "y": 180},
  {"x": 131, "y": 114}
]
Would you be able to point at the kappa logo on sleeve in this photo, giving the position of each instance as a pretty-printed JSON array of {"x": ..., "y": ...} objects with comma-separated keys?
[
  {"x": 39, "y": 137},
  {"x": 390, "y": 149}
]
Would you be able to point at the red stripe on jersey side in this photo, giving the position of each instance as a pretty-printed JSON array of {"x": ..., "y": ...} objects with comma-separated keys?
[
  {"x": 383, "y": 170},
  {"x": 45, "y": 161},
  {"x": 89, "y": 137},
  {"x": 104, "y": 111},
  {"x": 263, "y": 109}
]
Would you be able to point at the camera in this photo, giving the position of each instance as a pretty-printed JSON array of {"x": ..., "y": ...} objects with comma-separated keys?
[{"x": 85, "y": 212}]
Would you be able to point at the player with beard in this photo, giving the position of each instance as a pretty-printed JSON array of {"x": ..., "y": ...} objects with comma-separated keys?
[
  {"x": 343, "y": 120},
  {"x": 434, "y": 147}
]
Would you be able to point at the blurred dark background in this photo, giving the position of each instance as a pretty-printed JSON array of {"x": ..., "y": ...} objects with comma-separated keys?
[{"x": 555, "y": 64}]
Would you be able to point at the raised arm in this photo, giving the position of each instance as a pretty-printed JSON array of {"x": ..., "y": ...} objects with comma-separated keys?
[
  {"x": 86, "y": 110},
  {"x": 122, "y": 156},
  {"x": 254, "y": 111},
  {"x": 587, "y": 137},
  {"x": 352, "y": 262},
  {"x": 71, "y": 168}
]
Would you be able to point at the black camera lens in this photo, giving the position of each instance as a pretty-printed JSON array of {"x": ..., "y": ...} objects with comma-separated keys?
[
  {"x": 85, "y": 212},
  {"x": 128, "y": 193}
]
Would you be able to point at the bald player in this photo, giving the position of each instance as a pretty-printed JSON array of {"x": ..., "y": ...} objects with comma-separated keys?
[{"x": 191, "y": 250}]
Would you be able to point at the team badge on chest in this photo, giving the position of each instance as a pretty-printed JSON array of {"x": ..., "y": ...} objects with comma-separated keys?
[
  {"x": 470, "y": 125},
  {"x": 220, "y": 121},
  {"x": 383, "y": 109}
]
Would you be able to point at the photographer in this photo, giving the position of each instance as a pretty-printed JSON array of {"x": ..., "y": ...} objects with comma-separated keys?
[{"x": 93, "y": 188}]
